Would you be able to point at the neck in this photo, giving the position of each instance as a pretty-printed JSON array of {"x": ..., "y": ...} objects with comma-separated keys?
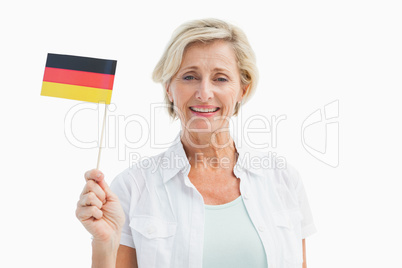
[{"x": 209, "y": 150}]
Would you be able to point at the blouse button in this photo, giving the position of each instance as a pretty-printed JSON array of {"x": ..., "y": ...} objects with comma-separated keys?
[
  {"x": 246, "y": 195},
  {"x": 261, "y": 228}
]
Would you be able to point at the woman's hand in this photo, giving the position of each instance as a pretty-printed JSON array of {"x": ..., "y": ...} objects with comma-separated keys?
[{"x": 99, "y": 209}]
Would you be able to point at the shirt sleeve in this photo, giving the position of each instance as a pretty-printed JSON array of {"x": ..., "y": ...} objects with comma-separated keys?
[
  {"x": 308, "y": 227},
  {"x": 122, "y": 188}
]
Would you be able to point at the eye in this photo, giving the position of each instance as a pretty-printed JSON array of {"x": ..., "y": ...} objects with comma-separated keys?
[
  {"x": 222, "y": 79},
  {"x": 189, "y": 77}
]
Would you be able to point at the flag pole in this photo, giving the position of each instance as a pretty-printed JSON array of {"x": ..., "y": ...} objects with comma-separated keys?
[{"x": 101, "y": 139}]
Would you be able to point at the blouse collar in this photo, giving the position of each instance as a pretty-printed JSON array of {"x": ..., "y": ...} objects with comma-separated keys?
[{"x": 178, "y": 161}]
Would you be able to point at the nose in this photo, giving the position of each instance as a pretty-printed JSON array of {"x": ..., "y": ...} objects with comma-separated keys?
[{"x": 204, "y": 91}]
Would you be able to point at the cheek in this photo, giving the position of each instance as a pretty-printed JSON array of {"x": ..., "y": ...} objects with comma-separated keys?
[
  {"x": 229, "y": 97},
  {"x": 181, "y": 100},
  {"x": 179, "y": 94}
]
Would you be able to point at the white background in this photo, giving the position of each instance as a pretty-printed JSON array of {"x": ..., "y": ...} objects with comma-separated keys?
[{"x": 309, "y": 53}]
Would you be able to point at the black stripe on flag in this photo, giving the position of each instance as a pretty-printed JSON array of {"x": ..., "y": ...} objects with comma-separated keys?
[{"x": 78, "y": 63}]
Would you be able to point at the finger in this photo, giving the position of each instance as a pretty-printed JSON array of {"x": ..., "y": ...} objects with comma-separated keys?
[
  {"x": 110, "y": 196},
  {"x": 85, "y": 213},
  {"x": 97, "y": 176},
  {"x": 92, "y": 186},
  {"x": 93, "y": 174},
  {"x": 90, "y": 199}
]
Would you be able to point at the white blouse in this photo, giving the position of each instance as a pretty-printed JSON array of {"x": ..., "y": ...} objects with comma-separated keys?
[{"x": 165, "y": 213}]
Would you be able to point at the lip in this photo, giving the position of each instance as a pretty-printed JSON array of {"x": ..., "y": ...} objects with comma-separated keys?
[{"x": 205, "y": 107}]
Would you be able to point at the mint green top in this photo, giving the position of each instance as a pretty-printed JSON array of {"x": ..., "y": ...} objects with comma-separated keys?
[{"x": 230, "y": 238}]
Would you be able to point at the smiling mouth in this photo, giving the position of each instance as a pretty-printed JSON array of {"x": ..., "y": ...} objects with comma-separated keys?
[{"x": 200, "y": 110}]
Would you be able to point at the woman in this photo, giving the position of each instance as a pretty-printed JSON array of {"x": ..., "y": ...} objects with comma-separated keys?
[{"x": 208, "y": 207}]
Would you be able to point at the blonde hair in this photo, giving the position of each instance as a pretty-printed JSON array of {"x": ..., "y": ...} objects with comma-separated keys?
[{"x": 205, "y": 31}]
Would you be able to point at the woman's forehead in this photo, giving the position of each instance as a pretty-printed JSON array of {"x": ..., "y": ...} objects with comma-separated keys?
[{"x": 216, "y": 55}]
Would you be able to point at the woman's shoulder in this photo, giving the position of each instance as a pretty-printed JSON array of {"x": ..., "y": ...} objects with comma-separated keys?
[
  {"x": 141, "y": 171},
  {"x": 268, "y": 164}
]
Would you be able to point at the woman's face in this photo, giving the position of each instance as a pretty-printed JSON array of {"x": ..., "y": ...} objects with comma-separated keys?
[{"x": 207, "y": 86}]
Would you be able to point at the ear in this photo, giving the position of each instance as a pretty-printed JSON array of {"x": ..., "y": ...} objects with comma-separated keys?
[
  {"x": 167, "y": 88},
  {"x": 244, "y": 91}
]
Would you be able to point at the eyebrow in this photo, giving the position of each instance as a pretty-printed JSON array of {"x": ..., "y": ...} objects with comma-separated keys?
[{"x": 215, "y": 69}]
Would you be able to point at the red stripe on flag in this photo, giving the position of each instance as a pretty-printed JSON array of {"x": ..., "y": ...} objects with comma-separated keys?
[{"x": 78, "y": 78}]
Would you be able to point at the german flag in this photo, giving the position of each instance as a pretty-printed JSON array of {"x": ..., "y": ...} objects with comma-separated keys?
[{"x": 78, "y": 78}]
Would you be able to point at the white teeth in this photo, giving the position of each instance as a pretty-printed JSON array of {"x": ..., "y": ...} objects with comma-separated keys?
[{"x": 203, "y": 110}]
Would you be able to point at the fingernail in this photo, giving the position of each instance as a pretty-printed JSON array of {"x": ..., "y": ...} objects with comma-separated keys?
[{"x": 99, "y": 174}]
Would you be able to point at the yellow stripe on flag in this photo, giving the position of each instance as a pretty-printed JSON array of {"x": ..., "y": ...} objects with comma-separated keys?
[{"x": 73, "y": 92}]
